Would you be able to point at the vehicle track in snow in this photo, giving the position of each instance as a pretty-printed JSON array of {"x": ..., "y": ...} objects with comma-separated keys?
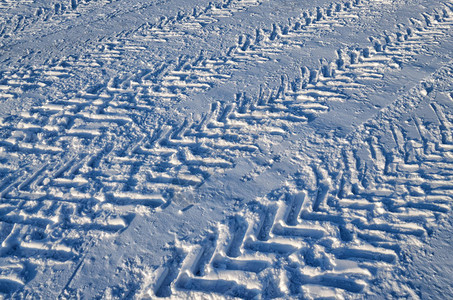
[
  {"x": 344, "y": 229},
  {"x": 88, "y": 161}
]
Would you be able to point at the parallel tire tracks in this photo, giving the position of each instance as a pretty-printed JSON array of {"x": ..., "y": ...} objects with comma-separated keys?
[
  {"x": 366, "y": 206},
  {"x": 80, "y": 164}
]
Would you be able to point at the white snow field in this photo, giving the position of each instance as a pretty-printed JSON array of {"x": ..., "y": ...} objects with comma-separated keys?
[{"x": 226, "y": 149}]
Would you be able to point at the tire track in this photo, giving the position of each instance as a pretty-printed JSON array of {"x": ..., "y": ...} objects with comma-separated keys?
[
  {"x": 116, "y": 164},
  {"x": 26, "y": 82},
  {"x": 48, "y": 18},
  {"x": 92, "y": 114},
  {"x": 367, "y": 204},
  {"x": 113, "y": 49},
  {"x": 14, "y": 25},
  {"x": 187, "y": 73}
]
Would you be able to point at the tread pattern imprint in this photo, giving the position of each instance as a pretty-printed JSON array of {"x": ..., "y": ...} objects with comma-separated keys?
[{"x": 81, "y": 164}]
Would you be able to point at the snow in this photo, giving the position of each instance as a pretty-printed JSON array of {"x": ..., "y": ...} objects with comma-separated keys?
[{"x": 249, "y": 149}]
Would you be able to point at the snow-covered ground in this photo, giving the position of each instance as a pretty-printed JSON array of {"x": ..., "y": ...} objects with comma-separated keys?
[{"x": 251, "y": 149}]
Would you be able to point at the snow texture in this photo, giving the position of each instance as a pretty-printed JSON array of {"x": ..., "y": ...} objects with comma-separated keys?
[{"x": 232, "y": 149}]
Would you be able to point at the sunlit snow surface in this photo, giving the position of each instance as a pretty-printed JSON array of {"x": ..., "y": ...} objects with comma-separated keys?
[{"x": 251, "y": 149}]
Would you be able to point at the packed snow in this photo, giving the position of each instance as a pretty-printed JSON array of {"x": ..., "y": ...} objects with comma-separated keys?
[{"x": 226, "y": 149}]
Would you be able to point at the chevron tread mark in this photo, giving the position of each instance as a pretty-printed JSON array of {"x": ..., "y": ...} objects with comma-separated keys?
[
  {"x": 39, "y": 16},
  {"x": 116, "y": 164},
  {"x": 361, "y": 211}
]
